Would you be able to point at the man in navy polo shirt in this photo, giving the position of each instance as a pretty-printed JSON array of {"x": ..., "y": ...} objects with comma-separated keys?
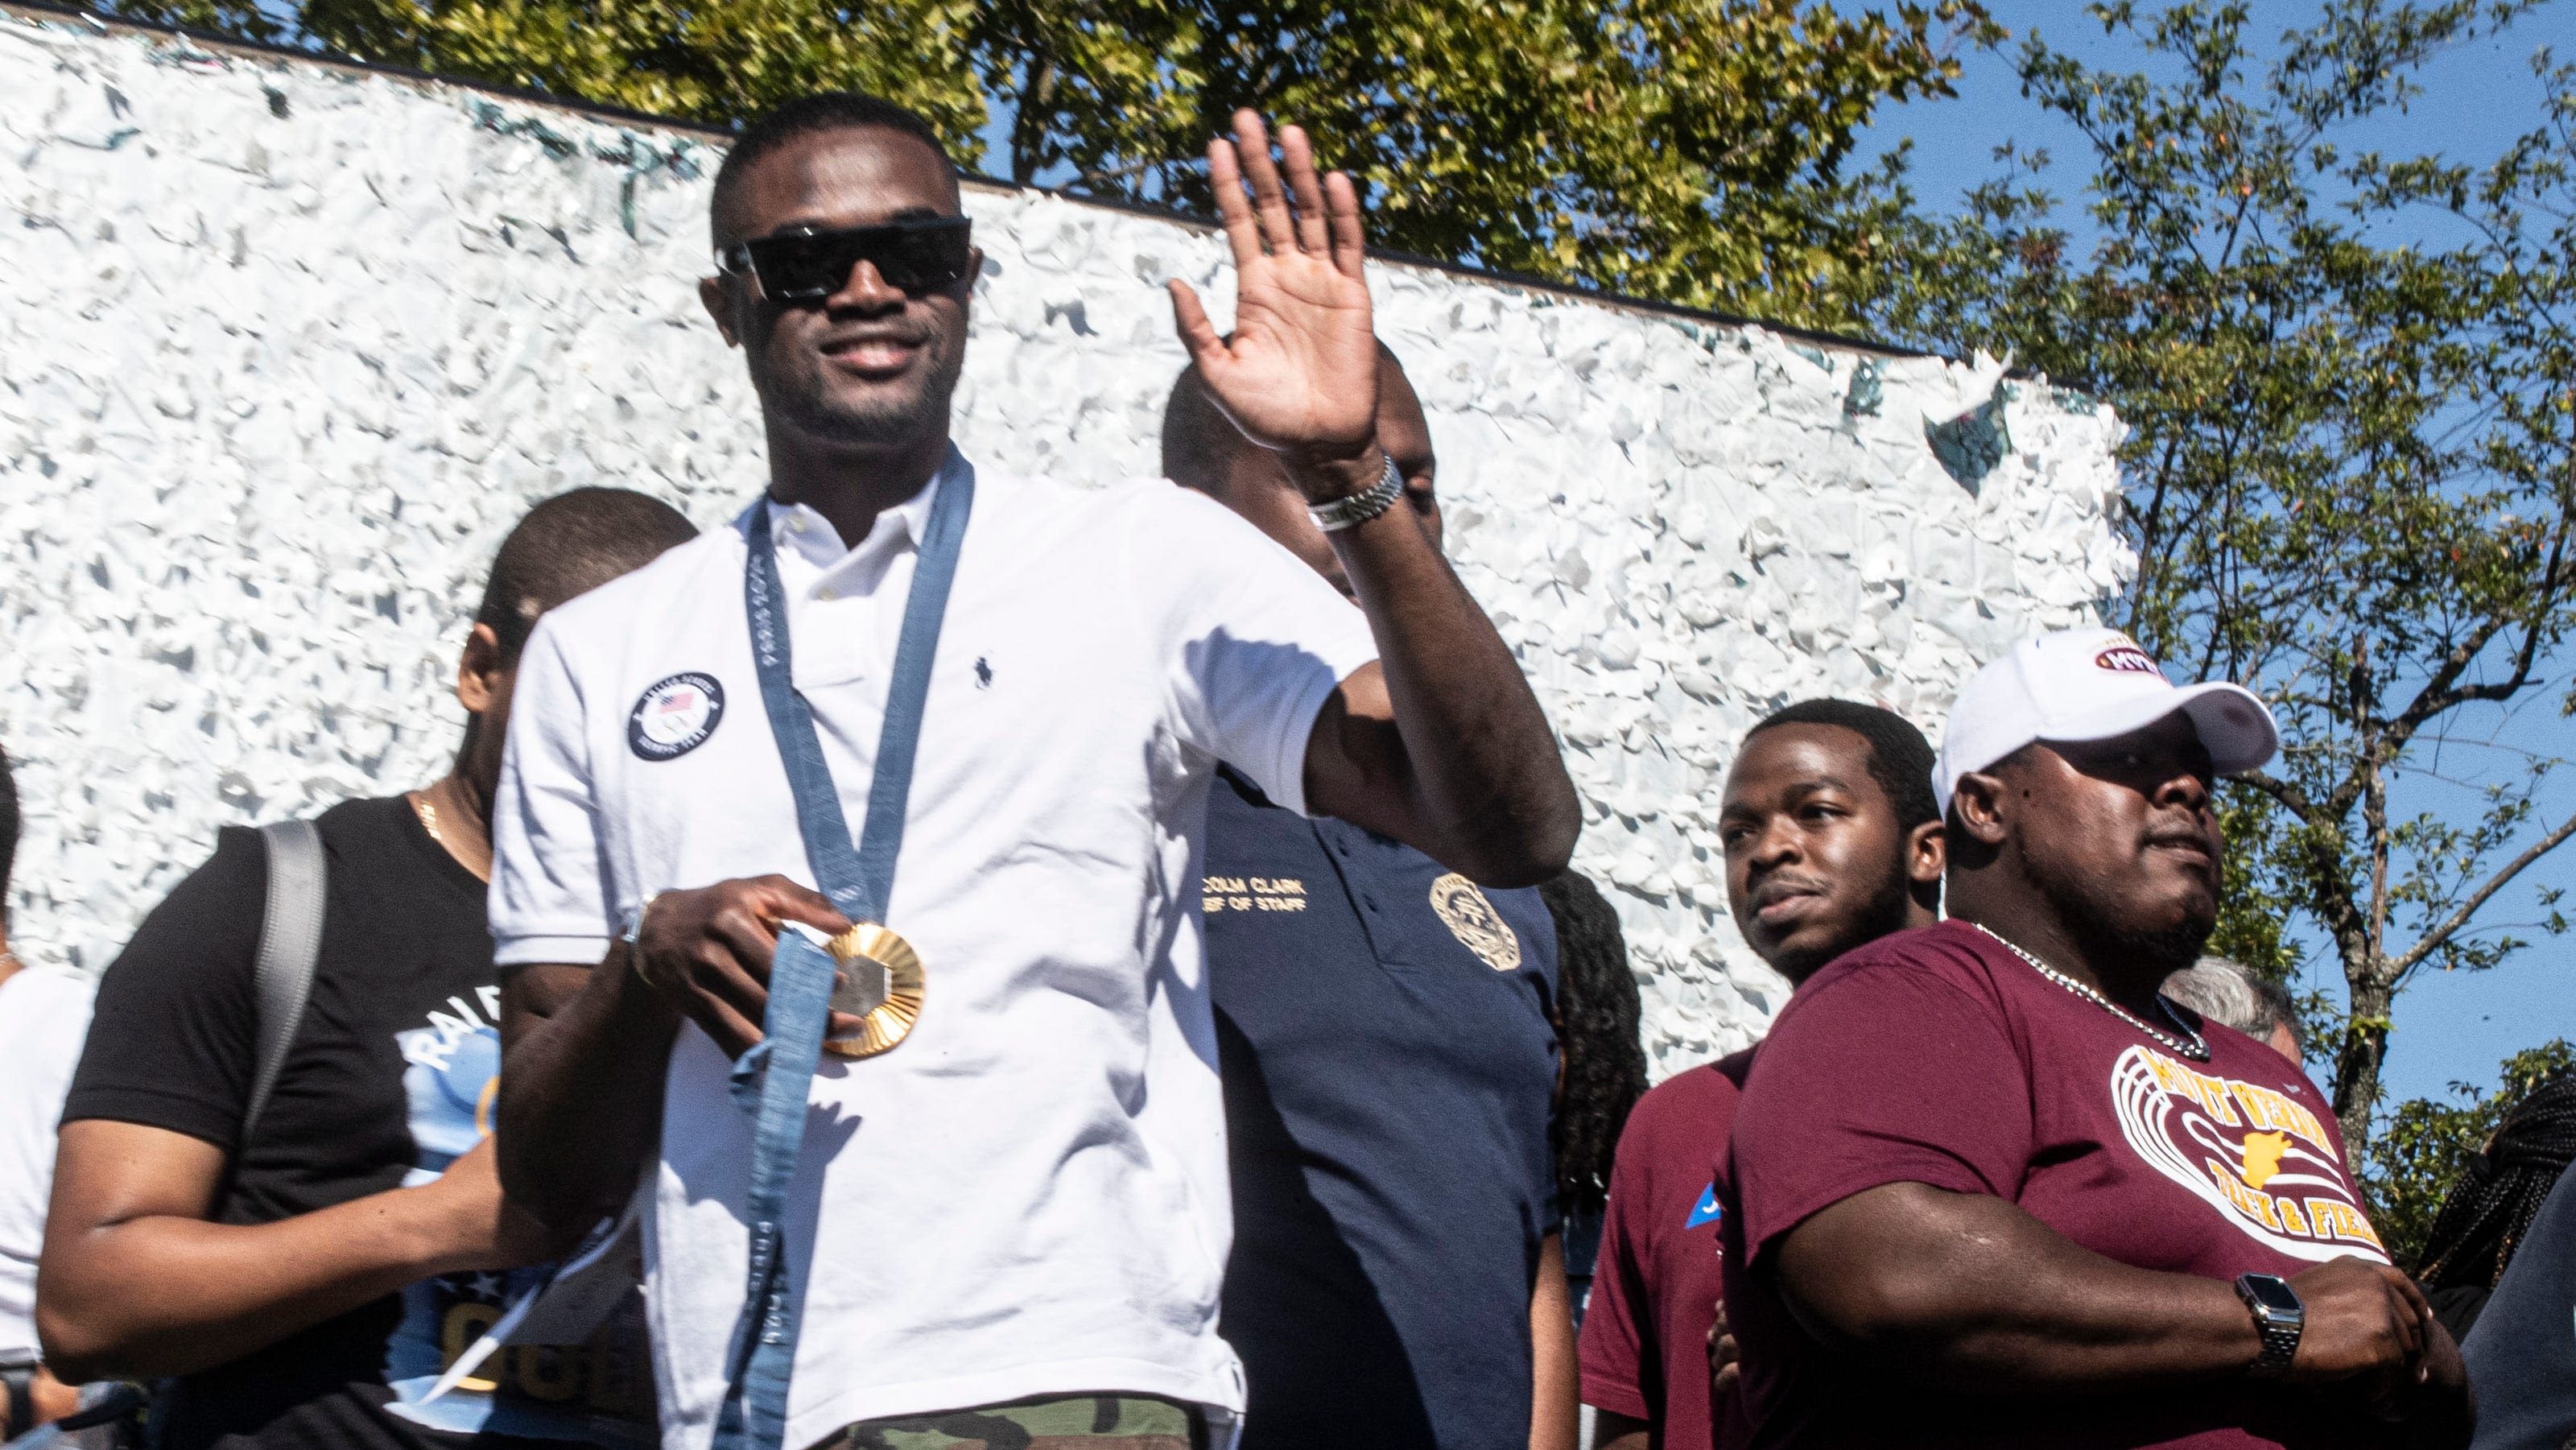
[{"x": 1384, "y": 1031}]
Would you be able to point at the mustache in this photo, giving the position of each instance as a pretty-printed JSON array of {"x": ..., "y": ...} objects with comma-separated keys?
[
  {"x": 1782, "y": 885},
  {"x": 2190, "y": 836}
]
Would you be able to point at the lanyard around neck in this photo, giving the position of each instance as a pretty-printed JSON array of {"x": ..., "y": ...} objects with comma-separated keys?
[
  {"x": 773, "y": 1078},
  {"x": 857, "y": 880}
]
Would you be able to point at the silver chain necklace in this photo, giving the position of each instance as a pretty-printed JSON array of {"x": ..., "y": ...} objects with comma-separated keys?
[{"x": 2195, "y": 1048}]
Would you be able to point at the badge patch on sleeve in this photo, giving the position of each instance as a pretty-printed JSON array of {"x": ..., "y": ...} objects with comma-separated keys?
[{"x": 675, "y": 716}]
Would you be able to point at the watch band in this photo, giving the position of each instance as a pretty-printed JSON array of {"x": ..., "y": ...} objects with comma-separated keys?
[
  {"x": 1359, "y": 508},
  {"x": 2279, "y": 1328},
  {"x": 19, "y": 1381}
]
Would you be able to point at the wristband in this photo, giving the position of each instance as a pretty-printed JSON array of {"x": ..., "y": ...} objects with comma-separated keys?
[
  {"x": 634, "y": 950},
  {"x": 19, "y": 1381},
  {"x": 1359, "y": 508}
]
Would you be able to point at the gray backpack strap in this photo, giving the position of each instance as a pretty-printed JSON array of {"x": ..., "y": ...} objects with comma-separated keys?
[{"x": 290, "y": 942}]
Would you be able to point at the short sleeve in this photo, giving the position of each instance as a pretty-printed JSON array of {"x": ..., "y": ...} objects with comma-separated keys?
[
  {"x": 547, "y": 902},
  {"x": 174, "y": 1035},
  {"x": 1255, "y": 641},
  {"x": 1618, "y": 1343},
  {"x": 1897, "y": 1072}
]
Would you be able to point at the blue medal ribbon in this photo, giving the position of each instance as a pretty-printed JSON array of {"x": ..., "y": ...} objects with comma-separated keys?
[{"x": 770, "y": 1082}]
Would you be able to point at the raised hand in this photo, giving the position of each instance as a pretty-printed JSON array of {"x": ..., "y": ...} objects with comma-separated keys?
[{"x": 1300, "y": 373}]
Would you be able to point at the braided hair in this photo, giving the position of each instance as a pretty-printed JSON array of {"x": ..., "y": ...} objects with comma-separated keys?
[
  {"x": 2486, "y": 1213},
  {"x": 1605, "y": 1063}
]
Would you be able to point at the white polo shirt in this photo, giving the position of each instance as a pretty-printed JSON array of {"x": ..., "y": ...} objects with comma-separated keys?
[{"x": 1028, "y": 1196}]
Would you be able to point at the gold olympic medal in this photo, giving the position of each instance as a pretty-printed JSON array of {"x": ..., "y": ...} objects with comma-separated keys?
[{"x": 879, "y": 982}]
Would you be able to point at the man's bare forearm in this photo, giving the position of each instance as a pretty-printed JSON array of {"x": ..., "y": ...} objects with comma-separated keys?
[
  {"x": 584, "y": 1052},
  {"x": 216, "y": 1291},
  {"x": 220, "y": 1291},
  {"x": 1481, "y": 784},
  {"x": 1556, "y": 1411},
  {"x": 1978, "y": 1293}
]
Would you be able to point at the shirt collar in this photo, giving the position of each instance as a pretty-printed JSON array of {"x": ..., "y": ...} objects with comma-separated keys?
[{"x": 798, "y": 527}]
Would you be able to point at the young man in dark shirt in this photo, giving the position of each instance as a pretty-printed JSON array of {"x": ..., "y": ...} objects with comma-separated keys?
[
  {"x": 1831, "y": 841},
  {"x": 306, "y": 1287},
  {"x": 1987, "y": 1187},
  {"x": 1383, "y": 1030}
]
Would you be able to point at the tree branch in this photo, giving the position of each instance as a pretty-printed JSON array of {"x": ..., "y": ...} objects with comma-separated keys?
[
  {"x": 2285, "y": 792},
  {"x": 2450, "y": 925},
  {"x": 1115, "y": 173},
  {"x": 2442, "y": 692}
]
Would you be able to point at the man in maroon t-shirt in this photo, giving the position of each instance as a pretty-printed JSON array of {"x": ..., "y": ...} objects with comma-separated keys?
[
  {"x": 1987, "y": 1187},
  {"x": 1832, "y": 839}
]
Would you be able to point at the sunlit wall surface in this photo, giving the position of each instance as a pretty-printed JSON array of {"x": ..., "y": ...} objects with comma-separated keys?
[{"x": 286, "y": 348}]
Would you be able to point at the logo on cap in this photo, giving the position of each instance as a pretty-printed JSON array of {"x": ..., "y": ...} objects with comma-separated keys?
[
  {"x": 675, "y": 716},
  {"x": 2127, "y": 659}
]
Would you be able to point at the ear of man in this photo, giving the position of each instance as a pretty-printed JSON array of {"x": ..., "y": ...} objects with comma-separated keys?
[
  {"x": 480, "y": 668},
  {"x": 1927, "y": 862},
  {"x": 721, "y": 296},
  {"x": 1979, "y": 822}
]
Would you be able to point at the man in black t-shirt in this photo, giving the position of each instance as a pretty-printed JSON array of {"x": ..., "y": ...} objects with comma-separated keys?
[{"x": 307, "y": 1286}]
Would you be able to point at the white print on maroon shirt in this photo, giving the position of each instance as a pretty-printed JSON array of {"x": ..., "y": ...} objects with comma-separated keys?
[{"x": 2255, "y": 1154}]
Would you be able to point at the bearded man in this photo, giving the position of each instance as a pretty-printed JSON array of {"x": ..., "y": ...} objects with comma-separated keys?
[{"x": 1988, "y": 1187}]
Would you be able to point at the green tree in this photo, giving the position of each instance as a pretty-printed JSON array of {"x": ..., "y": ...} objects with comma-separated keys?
[
  {"x": 2425, "y": 1144},
  {"x": 2349, "y": 470},
  {"x": 1690, "y": 150}
]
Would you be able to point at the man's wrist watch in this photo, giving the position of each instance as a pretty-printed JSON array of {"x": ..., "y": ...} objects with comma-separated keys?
[
  {"x": 2278, "y": 1317},
  {"x": 1359, "y": 508}
]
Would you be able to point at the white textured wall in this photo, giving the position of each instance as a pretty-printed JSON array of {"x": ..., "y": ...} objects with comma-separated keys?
[{"x": 284, "y": 350}]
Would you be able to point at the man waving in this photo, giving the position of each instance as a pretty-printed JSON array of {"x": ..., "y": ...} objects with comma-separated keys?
[{"x": 978, "y": 717}]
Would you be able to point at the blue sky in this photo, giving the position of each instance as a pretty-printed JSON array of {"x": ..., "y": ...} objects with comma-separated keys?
[{"x": 2478, "y": 98}]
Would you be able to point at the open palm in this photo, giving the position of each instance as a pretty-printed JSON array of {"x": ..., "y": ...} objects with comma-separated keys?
[{"x": 1300, "y": 372}]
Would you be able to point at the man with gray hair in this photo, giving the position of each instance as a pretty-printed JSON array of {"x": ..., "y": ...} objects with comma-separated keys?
[{"x": 2225, "y": 991}]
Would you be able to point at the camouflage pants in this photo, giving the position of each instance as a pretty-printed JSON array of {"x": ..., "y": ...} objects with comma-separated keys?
[{"x": 1053, "y": 1422}]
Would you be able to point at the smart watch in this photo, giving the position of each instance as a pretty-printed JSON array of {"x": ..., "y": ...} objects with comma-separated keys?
[{"x": 2278, "y": 1317}]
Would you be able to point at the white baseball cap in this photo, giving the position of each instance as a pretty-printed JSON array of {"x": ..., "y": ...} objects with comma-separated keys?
[{"x": 2092, "y": 684}]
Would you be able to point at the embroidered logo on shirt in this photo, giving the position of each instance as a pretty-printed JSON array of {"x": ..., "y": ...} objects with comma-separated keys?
[
  {"x": 1251, "y": 893},
  {"x": 1708, "y": 1209},
  {"x": 983, "y": 673},
  {"x": 1473, "y": 921},
  {"x": 675, "y": 716},
  {"x": 2259, "y": 1157}
]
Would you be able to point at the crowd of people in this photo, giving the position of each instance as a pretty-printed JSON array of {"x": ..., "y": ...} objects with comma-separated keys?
[{"x": 951, "y": 960}]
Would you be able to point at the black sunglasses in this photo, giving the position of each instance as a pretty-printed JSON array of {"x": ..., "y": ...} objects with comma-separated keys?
[{"x": 917, "y": 254}]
